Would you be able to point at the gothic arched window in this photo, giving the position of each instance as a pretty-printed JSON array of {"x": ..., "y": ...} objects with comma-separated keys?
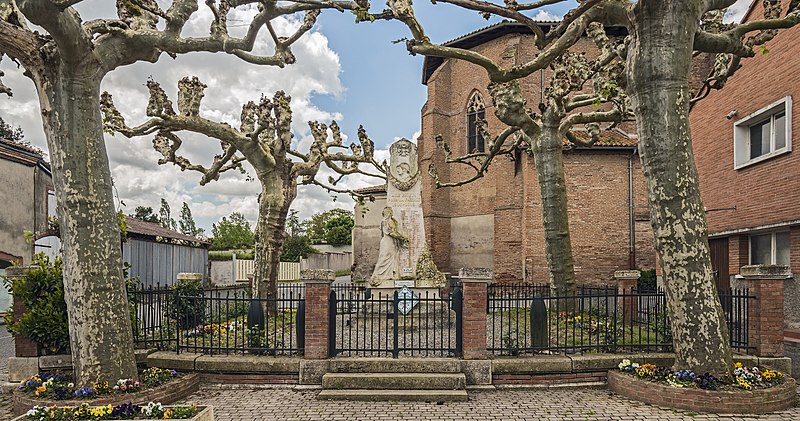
[{"x": 476, "y": 111}]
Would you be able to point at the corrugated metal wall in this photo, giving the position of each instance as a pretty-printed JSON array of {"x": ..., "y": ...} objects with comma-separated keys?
[{"x": 160, "y": 263}]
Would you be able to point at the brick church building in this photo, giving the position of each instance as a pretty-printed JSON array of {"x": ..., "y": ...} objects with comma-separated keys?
[{"x": 496, "y": 221}]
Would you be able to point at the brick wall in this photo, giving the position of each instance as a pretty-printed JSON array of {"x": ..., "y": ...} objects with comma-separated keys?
[
  {"x": 474, "y": 320},
  {"x": 597, "y": 184},
  {"x": 317, "y": 316},
  {"x": 765, "y": 314},
  {"x": 764, "y": 193}
]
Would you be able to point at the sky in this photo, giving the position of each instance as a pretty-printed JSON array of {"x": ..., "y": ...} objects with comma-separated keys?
[{"x": 349, "y": 72}]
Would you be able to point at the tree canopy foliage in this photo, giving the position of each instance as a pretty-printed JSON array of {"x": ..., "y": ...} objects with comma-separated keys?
[
  {"x": 7, "y": 131},
  {"x": 186, "y": 224},
  {"x": 144, "y": 213},
  {"x": 232, "y": 232},
  {"x": 319, "y": 226}
]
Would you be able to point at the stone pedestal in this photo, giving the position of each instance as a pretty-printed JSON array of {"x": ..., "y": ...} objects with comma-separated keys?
[
  {"x": 628, "y": 302},
  {"x": 765, "y": 313}
]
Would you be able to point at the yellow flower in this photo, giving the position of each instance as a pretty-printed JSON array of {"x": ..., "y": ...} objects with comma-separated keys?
[
  {"x": 738, "y": 365},
  {"x": 41, "y": 389},
  {"x": 167, "y": 414}
]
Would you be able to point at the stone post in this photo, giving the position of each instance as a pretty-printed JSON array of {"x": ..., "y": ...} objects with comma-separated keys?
[
  {"x": 475, "y": 282},
  {"x": 318, "y": 291},
  {"x": 765, "y": 313},
  {"x": 627, "y": 303},
  {"x": 25, "y": 362},
  {"x": 189, "y": 276}
]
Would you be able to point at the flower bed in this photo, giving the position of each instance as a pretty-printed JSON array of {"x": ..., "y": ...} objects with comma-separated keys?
[
  {"x": 125, "y": 411},
  {"x": 752, "y": 390},
  {"x": 46, "y": 389}
]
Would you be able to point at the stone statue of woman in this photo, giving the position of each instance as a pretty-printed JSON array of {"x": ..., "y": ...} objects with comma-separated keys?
[{"x": 393, "y": 241}]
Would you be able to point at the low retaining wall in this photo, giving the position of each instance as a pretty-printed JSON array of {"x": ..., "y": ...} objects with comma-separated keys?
[
  {"x": 724, "y": 402},
  {"x": 547, "y": 370},
  {"x": 541, "y": 370},
  {"x": 167, "y": 393}
]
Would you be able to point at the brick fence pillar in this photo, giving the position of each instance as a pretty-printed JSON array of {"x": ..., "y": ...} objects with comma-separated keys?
[
  {"x": 627, "y": 302},
  {"x": 765, "y": 313},
  {"x": 475, "y": 282},
  {"x": 318, "y": 292},
  {"x": 23, "y": 347}
]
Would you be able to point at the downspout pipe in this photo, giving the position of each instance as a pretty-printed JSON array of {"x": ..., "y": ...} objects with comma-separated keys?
[{"x": 631, "y": 225}]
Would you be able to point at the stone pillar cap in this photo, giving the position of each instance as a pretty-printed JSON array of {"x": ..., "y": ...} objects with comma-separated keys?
[
  {"x": 317, "y": 275},
  {"x": 766, "y": 271},
  {"x": 18, "y": 271},
  {"x": 627, "y": 274},
  {"x": 482, "y": 274},
  {"x": 190, "y": 275}
]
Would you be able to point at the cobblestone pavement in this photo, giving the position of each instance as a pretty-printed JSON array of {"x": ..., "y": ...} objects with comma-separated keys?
[{"x": 554, "y": 404}]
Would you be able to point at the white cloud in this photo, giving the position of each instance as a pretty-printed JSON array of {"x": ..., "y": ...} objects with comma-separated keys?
[
  {"x": 545, "y": 16},
  {"x": 139, "y": 180}
]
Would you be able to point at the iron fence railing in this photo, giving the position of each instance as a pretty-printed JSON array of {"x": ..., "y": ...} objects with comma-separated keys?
[
  {"x": 526, "y": 319},
  {"x": 381, "y": 324},
  {"x": 220, "y": 320}
]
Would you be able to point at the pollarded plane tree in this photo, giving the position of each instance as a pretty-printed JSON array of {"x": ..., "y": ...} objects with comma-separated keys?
[
  {"x": 583, "y": 95},
  {"x": 67, "y": 64},
  {"x": 264, "y": 139},
  {"x": 664, "y": 37}
]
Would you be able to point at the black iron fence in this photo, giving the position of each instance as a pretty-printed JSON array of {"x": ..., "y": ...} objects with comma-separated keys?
[
  {"x": 527, "y": 319},
  {"x": 220, "y": 320},
  {"x": 367, "y": 323}
]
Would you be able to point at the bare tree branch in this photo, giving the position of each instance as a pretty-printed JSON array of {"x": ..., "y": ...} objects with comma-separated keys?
[
  {"x": 488, "y": 9},
  {"x": 729, "y": 43},
  {"x": 72, "y": 39},
  {"x": 497, "y": 148}
]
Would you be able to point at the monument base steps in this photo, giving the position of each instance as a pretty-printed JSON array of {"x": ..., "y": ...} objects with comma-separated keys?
[
  {"x": 394, "y": 380},
  {"x": 392, "y": 365},
  {"x": 395, "y": 395}
]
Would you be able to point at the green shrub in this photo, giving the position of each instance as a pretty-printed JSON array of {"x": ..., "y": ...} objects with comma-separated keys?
[
  {"x": 42, "y": 291},
  {"x": 222, "y": 256},
  {"x": 647, "y": 280},
  {"x": 187, "y": 306}
]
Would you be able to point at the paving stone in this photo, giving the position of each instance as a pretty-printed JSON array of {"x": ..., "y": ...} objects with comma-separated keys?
[{"x": 553, "y": 404}]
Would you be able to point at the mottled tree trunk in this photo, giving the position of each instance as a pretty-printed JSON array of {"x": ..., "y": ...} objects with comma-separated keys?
[
  {"x": 659, "y": 62},
  {"x": 277, "y": 194},
  {"x": 510, "y": 108},
  {"x": 99, "y": 321},
  {"x": 548, "y": 157}
]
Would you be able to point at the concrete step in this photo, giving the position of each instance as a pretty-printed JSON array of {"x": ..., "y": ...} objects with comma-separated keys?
[
  {"x": 381, "y": 381},
  {"x": 392, "y": 365},
  {"x": 395, "y": 395}
]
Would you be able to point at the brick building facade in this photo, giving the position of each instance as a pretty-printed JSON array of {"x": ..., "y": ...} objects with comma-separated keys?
[
  {"x": 496, "y": 222},
  {"x": 749, "y": 176}
]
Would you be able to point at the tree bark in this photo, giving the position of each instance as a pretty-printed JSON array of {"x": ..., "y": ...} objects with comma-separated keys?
[
  {"x": 659, "y": 63},
  {"x": 100, "y": 326},
  {"x": 546, "y": 139},
  {"x": 548, "y": 156},
  {"x": 277, "y": 193}
]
